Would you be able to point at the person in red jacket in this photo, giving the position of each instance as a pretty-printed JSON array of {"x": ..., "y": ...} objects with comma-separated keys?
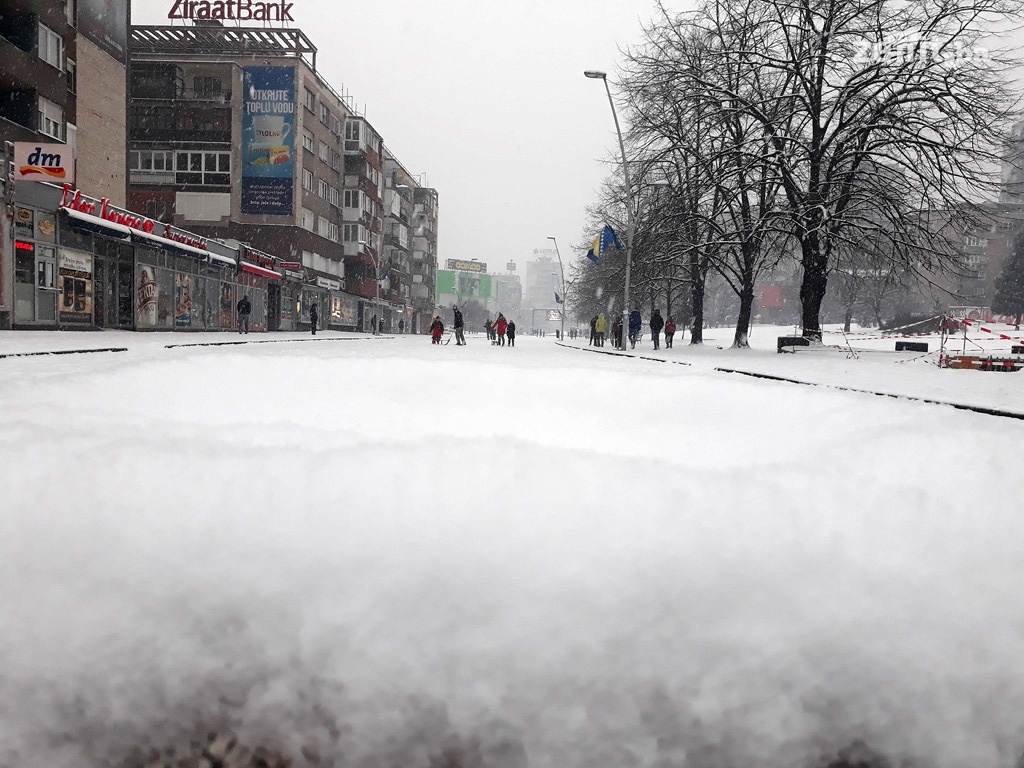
[
  {"x": 436, "y": 330},
  {"x": 670, "y": 330},
  {"x": 500, "y": 326}
]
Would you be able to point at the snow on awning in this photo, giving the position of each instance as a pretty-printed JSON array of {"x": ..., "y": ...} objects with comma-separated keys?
[
  {"x": 173, "y": 245},
  {"x": 97, "y": 224},
  {"x": 256, "y": 269}
]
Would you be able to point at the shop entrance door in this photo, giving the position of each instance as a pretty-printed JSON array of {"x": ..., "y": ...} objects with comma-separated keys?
[
  {"x": 46, "y": 282},
  {"x": 273, "y": 306},
  {"x": 125, "y": 294}
]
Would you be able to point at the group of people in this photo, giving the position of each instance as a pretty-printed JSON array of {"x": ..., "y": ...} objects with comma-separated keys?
[
  {"x": 599, "y": 327},
  {"x": 497, "y": 331}
]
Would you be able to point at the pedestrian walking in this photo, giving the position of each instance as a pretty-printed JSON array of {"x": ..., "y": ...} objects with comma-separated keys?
[
  {"x": 313, "y": 317},
  {"x": 657, "y": 323},
  {"x": 380, "y": 326},
  {"x": 617, "y": 332},
  {"x": 401, "y": 326},
  {"x": 487, "y": 328},
  {"x": 600, "y": 326},
  {"x": 670, "y": 331},
  {"x": 511, "y": 333},
  {"x": 500, "y": 328},
  {"x": 593, "y": 331},
  {"x": 436, "y": 330},
  {"x": 460, "y": 334},
  {"x": 635, "y": 324},
  {"x": 244, "y": 310},
  {"x": 373, "y": 325}
]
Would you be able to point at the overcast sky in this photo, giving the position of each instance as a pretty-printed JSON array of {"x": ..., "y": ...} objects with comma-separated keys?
[{"x": 487, "y": 98}]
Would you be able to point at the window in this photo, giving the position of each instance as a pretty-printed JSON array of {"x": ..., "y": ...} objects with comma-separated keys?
[
  {"x": 335, "y": 160},
  {"x": 352, "y": 198},
  {"x": 352, "y": 129},
  {"x": 160, "y": 210},
  {"x": 151, "y": 162},
  {"x": 310, "y": 100},
  {"x": 322, "y": 226},
  {"x": 207, "y": 87},
  {"x": 973, "y": 241},
  {"x": 51, "y": 119},
  {"x": 352, "y": 233},
  {"x": 69, "y": 9},
  {"x": 307, "y": 219},
  {"x": 335, "y": 196},
  {"x": 323, "y": 189},
  {"x": 307, "y": 139},
  {"x": 307, "y": 179},
  {"x": 325, "y": 114},
  {"x": 206, "y": 168},
  {"x": 336, "y": 125},
  {"x": 325, "y": 153},
  {"x": 332, "y": 233},
  {"x": 51, "y": 47},
  {"x": 71, "y": 71}
]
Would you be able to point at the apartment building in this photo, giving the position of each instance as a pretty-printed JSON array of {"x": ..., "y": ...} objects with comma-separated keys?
[
  {"x": 63, "y": 81},
  {"x": 233, "y": 133}
]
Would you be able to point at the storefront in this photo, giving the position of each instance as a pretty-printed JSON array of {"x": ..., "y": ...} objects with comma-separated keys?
[{"x": 81, "y": 263}]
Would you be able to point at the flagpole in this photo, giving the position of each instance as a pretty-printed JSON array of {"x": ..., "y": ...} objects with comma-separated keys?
[
  {"x": 562, "y": 270},
  {"x": 596, "y": 75}
]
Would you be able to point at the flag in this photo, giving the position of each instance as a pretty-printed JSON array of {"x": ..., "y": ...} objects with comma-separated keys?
[
  {"x": 558, "y": 299},
  {"x": 603, "y": 242}
]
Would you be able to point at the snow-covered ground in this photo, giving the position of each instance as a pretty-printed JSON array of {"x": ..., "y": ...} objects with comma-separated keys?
[{"x": 373, "y": 547}]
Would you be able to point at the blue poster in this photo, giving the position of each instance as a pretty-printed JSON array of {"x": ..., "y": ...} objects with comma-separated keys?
[{"x": 268, "y": 141}]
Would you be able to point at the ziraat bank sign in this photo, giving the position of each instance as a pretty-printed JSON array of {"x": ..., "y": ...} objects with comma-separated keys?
[
  {"x": 74, "y": 200},
  {"x": 233, "y": 10}
]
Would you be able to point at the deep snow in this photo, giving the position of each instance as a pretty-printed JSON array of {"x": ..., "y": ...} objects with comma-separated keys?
[{"x": 373, "y": 546}]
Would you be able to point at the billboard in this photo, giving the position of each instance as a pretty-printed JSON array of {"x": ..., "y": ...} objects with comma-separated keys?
[
  {"x": 463, "y": 285},
  {"x": 105, "y": 22},
  {"x": 467, "y": 266},
  {"x": 268, "y": 141}
]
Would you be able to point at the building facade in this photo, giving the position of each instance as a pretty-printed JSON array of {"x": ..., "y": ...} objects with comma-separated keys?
[{"x": 63, "y": 81}]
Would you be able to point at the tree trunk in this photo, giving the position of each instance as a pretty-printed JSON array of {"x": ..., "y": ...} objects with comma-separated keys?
[
  {"x": 813, "y": 285},
  {"x": 696, "y": 301},
  {"x": 743, "y": 319}
]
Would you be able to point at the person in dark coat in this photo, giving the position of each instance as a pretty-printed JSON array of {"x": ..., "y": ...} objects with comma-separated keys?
[
  {"x": 244, "y": 310},
  {"x": 401, "y": 326},
  {"x": 593, "y": 332},
  {"x": 460, "y": 334},
  {"x": 657, "y": 323},
  {"x": 313, "y": 317},
  {"x": 617, "y": 333},
  {"x": 487, "y": 328},
  {"x": 436, "y": 330},
  {"x": 635, "y": 323},
  {"x": 510, "y": 332}
]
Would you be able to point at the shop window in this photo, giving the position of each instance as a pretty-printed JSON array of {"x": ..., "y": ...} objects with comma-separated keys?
[
  {"x": 165, "y": 298},
  {"x": 24, "y": 262}
]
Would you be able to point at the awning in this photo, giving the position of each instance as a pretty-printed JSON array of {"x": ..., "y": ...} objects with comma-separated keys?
[
  {"x": 163, "y": 242},
  {"x": 256, "y": 269},
  {"x": 97, "y": 224}
]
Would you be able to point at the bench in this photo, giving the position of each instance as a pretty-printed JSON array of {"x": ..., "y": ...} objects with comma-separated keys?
[
  {"x": 911, "y": 346},
  {"x": 792, "y": 341}
]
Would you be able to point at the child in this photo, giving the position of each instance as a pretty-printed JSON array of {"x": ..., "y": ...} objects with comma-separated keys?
[{"x": 436, "y": 330}]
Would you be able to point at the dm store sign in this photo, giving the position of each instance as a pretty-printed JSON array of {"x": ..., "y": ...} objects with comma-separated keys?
[{"x": 268, "y": 141}]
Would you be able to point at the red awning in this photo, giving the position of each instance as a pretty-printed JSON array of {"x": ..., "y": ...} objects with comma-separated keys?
[{"x": 256, "y": 269}]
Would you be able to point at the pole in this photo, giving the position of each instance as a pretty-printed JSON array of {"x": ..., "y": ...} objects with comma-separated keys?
[
  {"x": 630, "y": 224},
  {"x": 562, "y": 270}
]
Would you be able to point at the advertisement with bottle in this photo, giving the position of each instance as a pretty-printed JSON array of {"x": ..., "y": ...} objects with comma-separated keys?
[
  {"x": 268, "y": 140},
  {"x": 182, "y": 300},
  {"x": 74, "y": 273},
  {"x": 145, "y": 297}
]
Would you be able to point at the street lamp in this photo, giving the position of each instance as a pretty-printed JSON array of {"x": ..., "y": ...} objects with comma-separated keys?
[
  {"x": 562, "y": 270},
  {"x": 376, "y": 269},
  {"x": 594, "y": 74}
]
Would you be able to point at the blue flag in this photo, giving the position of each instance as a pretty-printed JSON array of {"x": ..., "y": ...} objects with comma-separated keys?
[{"x": 603, "y": 242}]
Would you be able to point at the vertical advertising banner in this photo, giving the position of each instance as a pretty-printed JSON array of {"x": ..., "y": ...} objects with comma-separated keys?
[
  {"x": 75, "y": 271},
  {"x": 182, "y": 300},
  {"x": 268, "y": 141},
  {"x": 145, "y": 297}
]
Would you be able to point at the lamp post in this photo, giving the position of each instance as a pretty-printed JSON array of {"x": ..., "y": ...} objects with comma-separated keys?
[
  {"x": 376, "y": 269},
  {"x": 630, "y": 223},
  {"x": 562, "y": 270}
]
